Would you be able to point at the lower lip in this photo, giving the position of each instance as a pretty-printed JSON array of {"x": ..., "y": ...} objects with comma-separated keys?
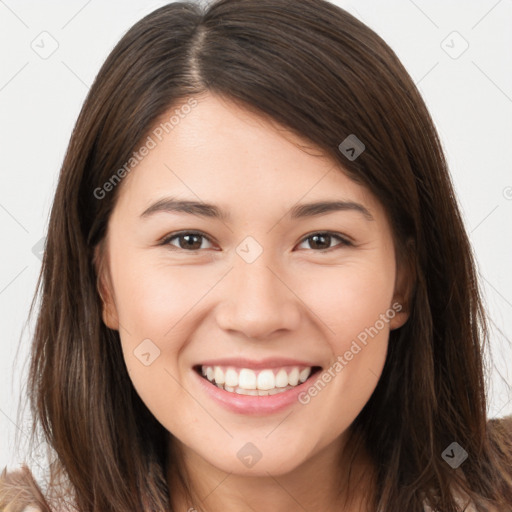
[{"x": 257, "y": 405}]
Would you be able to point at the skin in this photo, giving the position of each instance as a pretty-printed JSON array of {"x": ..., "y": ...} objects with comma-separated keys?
[{"x": 293, "y": 301}]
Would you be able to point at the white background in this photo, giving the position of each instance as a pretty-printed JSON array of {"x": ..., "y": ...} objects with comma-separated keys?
[{"x": 469, "y": 97}]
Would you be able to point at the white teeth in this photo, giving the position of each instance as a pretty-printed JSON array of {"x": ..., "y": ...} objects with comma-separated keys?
[
  {"x": 242, "y": 391},
  {"x": 231, "y": 378},
  {"x": 304, "y": 374},
  {"x": 266, "y": 380},
  {"x": 246, "y": 381},
  {"x": 293, "y": 378},
  {"x": 281, "y": 378},
  {"x": 218, "y": 376}
]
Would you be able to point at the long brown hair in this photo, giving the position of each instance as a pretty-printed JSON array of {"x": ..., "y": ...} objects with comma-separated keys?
[{"x": 321, "y": 73}]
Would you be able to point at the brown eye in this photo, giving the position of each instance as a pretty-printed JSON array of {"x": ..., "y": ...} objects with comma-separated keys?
[
  {"x": 188, "y": 241},
  {"x": 322, "y": 241}
]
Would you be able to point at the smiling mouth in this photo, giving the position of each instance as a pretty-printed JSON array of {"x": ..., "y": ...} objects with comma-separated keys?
[{"x": 263, "y": 382}]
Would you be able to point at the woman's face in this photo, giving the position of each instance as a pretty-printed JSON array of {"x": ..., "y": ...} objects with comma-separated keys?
[{"x": 249, "y": 290}]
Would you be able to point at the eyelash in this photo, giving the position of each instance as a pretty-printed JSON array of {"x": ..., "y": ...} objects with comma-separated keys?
[{"x": 343, "y": 241}]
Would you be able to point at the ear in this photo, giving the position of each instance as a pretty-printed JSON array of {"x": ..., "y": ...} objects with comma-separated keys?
[
  {"x": 404, "y": 287},
  {"x": 104, "y": 287}
]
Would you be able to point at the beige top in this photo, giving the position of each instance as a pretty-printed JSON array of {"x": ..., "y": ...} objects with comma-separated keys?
[
  {"x": 465, "y": 503},
  {"x": 469, "y": 507},
  {"x": 460, "y": 501}
]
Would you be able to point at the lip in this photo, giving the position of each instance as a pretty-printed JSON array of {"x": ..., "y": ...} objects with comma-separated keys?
[
  {"x": 253, "y": 405},
  {"x": 240, "y": 362}
]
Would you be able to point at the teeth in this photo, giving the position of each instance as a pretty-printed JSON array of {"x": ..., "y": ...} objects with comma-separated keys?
[
  {"x": 242, "y": 391},
  {"x": 266, "y": 380},
  {"x": 304, "y": 374},
  {"x": 281, "y": 378},
  {"x": 218, "y": 376},
  {"x": 256, "y": 383},
  {"x": 231, "y": 378},
  {"x": 247, "y": 379},
  {"x": 293, "y": 378}
]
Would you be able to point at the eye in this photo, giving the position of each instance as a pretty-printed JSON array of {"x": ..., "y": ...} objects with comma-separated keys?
[
  {"x": 187, "y": 240},
  {"x": 192, "y": 241},
  {"x": 322, "y": 241}
]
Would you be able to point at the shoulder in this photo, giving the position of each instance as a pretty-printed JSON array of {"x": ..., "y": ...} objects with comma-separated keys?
[
  {"x": 19, "y": 492},
  {"x": 463, "y": 502},
  {"x": 499, "y": 433},
  {"x": 500, "y": 427},
  {"x": 467, "y": 505}
]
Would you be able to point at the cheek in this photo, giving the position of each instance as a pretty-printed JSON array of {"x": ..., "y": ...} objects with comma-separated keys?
[
  {"x": 358, "y": 342},
  {"x": 349, "y": 299},
  {"x": 156, "y": 301},
  {"x": 153, "y": 302},
  {"x": 154, "y": 297},
  {"x": 353, "y": 304}
]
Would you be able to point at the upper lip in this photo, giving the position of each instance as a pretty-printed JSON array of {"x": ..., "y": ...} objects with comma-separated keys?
[{"x": 241, "y": 362}]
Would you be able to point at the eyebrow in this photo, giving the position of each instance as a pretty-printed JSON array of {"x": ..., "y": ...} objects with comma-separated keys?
[{"x": 201, "y": 209}]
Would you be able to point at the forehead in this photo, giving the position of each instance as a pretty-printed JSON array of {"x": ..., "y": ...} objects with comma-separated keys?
[{"x": 221, "y": 153}]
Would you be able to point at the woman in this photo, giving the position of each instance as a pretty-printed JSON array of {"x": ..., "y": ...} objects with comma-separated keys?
[{"x": 257, "y": 290}]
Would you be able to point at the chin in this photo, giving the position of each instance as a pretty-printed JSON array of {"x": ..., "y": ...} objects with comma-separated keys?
[{"x": 253, "y": 459}]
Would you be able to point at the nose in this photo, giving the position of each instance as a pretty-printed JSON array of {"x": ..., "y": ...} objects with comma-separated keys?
[{"x": 257, "y": 301}]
